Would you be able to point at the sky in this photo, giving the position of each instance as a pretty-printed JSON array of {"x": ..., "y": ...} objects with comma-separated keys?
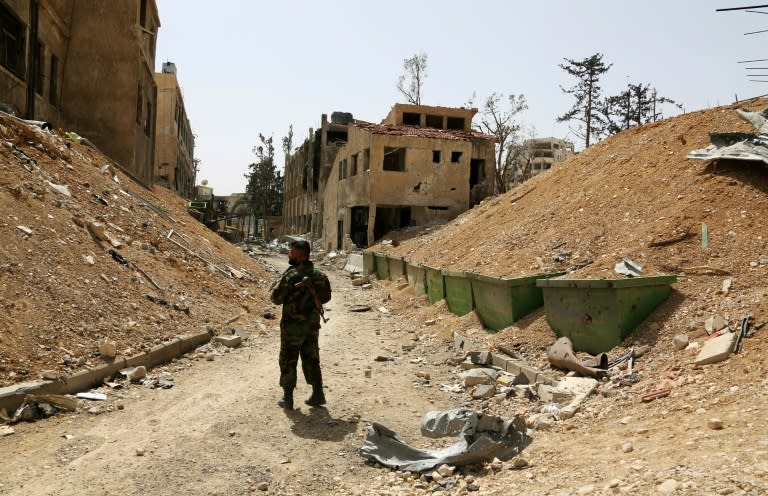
[{"x": 251, "y": 67}]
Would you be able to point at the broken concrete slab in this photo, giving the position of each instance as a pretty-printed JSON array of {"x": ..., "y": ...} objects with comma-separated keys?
[
  {"x": 484, "y": 391},
  {"x": 716, "y": 349},
  {"x": 714, "y": 324},
  {"x": 481, "y": 438},
  {"x": 229, "y": 341},
  {"x": 553, "y": 394},
  {"x": 481, "y": 357},
  {"x": 479, "y": 376}
]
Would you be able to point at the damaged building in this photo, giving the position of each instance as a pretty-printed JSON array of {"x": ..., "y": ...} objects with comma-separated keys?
[
  {"x": 174, "y": 142},
  {"x": 56, "y": 66},
  {"x": 306, "y": 173},
  {"x": 422, "y": 164}
]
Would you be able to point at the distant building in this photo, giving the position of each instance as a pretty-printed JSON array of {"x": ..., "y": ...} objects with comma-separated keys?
[
  {"x": 174, "y": 141},
  {"x": 85, "y": 65},
  {"x": 540, "y": 154}
]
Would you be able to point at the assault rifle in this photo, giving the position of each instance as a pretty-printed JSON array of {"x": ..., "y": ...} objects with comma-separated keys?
[{"x": 307, "y": 283}]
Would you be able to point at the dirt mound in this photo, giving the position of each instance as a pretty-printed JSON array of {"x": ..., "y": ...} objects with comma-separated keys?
[
  {"x": 64, "y": 208},
  {"x": 633, "y": 195}
]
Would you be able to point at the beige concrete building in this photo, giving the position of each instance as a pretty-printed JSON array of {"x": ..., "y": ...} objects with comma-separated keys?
[
  {"x": 421, "y": 164},
  {"x": 306, "y": 173},
  {"x": 541, "y": 154},
  {"x": 174, "y": 141},
  {"x": 87, "y": 66}
]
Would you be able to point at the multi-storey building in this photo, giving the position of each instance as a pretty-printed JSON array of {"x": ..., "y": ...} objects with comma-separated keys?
[
  {"x": 541, "y": 154},
  {"x": 86, "y": 65},
  {"x": 174, "y": 142},
  {"x": 421, "y": 164}
]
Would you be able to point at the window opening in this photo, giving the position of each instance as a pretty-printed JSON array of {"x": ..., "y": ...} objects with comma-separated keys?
[
  {"x": 436, "y": 156},
  {"x": 353, "y": 166},
  {"x": 53, "y": 87},
  {"x": 411, "y": 119},
  {"x": 394, "y": 159},
  {"x": 367, "y": 159},
  {"x": 435, "y": 121},
  {"x": 455, "y": 157},
  {"x": 11, "y": 42},
  {"x": 455, "y": 123}
]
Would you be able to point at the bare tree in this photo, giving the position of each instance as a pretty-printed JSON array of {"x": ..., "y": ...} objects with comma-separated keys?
[
  {"x": 410, "y": 83},
  {"x": 500, "y": 123}
]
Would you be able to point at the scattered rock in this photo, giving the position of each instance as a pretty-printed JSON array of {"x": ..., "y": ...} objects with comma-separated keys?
[
  {"x": 584, "y": 490},
  {"x": 479, "y": 376},
  {"x": 446, "y": 470},
  {"x": 229, "y": 341},
  {"x": 51, "y": 375},
  {"x": 714, "y": 324},
  {"x": 107, "y": 349},
  {"x": 716, "y": 349},
  {"x": 680, "y": 342},
  {"x": 262, "y": 486},
  {"x": 519, "y": 462},
  {"x": 627, "y": 448},
  {"x": 140, "y": 452},
  {"x": 669, "y": 486},
  {"x": 715, "y": 424},
  {"x": 484, "y": 391},
  {"x": 269, "y": 315}
]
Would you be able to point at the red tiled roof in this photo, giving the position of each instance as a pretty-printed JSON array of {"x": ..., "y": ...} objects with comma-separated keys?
[{"x": 422, "y": 132}]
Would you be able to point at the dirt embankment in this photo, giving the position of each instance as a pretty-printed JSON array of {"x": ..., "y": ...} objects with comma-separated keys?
[{"x": 62, "y": 292}]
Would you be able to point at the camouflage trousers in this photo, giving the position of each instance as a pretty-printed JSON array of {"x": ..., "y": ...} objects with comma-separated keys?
[{"x": 299, "y": 339}]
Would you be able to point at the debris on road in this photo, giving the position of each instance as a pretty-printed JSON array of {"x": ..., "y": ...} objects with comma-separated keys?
[{"x": 481, "y": 438}]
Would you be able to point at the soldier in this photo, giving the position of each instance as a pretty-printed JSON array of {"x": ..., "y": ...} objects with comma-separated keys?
[{"x": 301, "y": 290}]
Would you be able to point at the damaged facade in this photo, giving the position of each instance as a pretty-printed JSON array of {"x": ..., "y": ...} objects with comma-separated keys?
[
  {"x": 174, "y": 141},
  {"x": 360, "y": 180},
  {"x": 540, "y": 154},
  {"x": 85, "y": 65},
  {"x": 306, "y": 173}
]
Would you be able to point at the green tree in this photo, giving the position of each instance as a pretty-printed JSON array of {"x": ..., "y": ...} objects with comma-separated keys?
[
  {"x": 638, "y": 104},
  {"x": 499, "y": 121},
  {"x": 410, "y": 83},
  {"x": 588, "y": 109},
  {"x": 265, "y": 182}
]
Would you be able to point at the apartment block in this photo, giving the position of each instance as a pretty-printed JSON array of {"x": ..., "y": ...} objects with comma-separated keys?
[
  {"x": 87, "y": 66},
  {"x": 174, "y": 142}
]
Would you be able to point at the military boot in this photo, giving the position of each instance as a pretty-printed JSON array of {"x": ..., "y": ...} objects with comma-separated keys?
[
  {"x": 318, "y": 397},
  {"x": 287, "y": 400}
]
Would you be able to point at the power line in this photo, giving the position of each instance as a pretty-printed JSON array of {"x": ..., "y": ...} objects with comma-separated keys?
[
  {"x": 748, "y": 61},
  {"x": 755, "y": 32},
  {"x": 742, "y": 8}
]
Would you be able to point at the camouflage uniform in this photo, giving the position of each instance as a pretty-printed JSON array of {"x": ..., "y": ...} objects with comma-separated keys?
[{"x": 300, "y": 323}]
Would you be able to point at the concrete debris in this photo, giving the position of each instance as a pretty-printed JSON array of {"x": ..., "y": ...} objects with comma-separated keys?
[
  {"x": 484, "y": 392},
  {"x": 715, "y": 323},
  {"x": 6, "y": 430},
  {"x": 738, "y": 146},
  {"x": 715, "y": 424},
  {"x": 107, "y": 349},
  {"x": 481, "y": 357},
  {"x": 89, "y": 395},
  {"x": 135, "y": 374},
  {"x": 561, "y": 355},
  {"x": 680, "y": 342},
  {"x": 360, "y": 308},
  {"x": 229, "y": 341},
  {"x": 716, "y": 349},
  {"x": 61, "y": 189},
  {"x": 51, "y": 375},
  {"x": 475, "y": 377},
  {"x": 628, "y": 268},
  {"x": 727, "y": 283},
  {"x": 25, "y": 230},
  {"x": 481, "y": 438}
]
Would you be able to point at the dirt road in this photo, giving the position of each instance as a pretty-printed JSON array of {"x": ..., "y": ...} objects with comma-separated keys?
[{"x": 219, "y": 431}]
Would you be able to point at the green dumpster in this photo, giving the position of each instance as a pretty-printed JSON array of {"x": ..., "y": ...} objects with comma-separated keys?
[
  {"x": 435, "y": 284},
  {"x": 382, "y": 266},
  {"x": 458, "y": 292},
  {"x": 369, "y": 264},
  {"x": 501, "y": 301},
  {"x": 396, "y": 268},
  {"x": 417, "y": 277},
  {"x": 596, "y": 314}
]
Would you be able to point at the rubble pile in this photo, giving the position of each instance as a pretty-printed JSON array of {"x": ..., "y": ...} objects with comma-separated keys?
[{"x": 89, "y": 256}]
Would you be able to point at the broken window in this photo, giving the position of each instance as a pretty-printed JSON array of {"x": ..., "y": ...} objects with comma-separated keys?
[
  {"x": 53, "y": 87},
  {"x": 341, "y": 172},
  {"x": 411, "y": 119},
  {"x": 139, "y": 104},
  {"x": 367, "y": 159},
  {"x": 394, "y": 159},
  {"x": 11, "y": 42},
  {"x": 476, "y": 171},
  {"x": 344, "y": 174},
  {"x": 435, "y": 121},
  {"x": 435, "y": 207},
  {"x": 353, "y": 166},
  {"x": 455, "y": 123},
  {"x": 38, "y": 59},
  {"x": 358, "y": 229},
  {"x": 143, "y": 13},
  {"x": 390, "y": 218},
  {"x": 436, "y": 156},
  {"x": 148, "y": 122},
  {"x": 455, "y": 157}
]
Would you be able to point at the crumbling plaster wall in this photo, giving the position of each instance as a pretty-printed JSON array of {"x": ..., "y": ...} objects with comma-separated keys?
[{"x": 423, "y": 184}]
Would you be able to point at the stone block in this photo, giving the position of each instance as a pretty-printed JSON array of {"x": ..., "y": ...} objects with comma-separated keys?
[
  {"x": 479, "y": 376},
  {"x": 551, "y": 394},
  {"x": 481, "y": 357},
  {"x": 229, "y": 341},
  {"x": 716, "y": 349},
  {"x": 484, "y": 391}
]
